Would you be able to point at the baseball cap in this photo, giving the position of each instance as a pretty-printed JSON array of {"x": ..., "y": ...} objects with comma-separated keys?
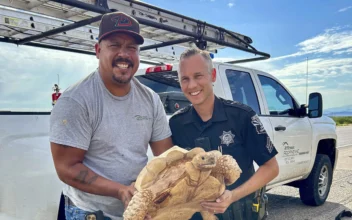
[{"x": 115, "y": 22}]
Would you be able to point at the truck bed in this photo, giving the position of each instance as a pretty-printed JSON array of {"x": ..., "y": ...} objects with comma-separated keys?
[{"x": 29, "y": 186}]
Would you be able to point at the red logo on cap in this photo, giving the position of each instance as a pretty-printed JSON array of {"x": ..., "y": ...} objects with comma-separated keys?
[{"x": 121, "y": 21}]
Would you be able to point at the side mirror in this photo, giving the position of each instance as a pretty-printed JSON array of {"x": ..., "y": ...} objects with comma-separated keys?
[
  {"x": 315, "y": 106},
  {"x": 302, "y": 111}
]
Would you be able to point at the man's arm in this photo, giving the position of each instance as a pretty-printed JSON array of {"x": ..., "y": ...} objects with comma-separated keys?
[
  {"x": 69, "y": 166},
  {"x": 261, "y": 149},
  {"x": 161, "y": 135},
  {"x": 264, "y": 174},
  {"x": 70, "y": 137},
  {"x": 159, "y": 147}
]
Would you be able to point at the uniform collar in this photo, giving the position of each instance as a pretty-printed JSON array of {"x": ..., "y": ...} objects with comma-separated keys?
[{"x": 219, "y": 113}]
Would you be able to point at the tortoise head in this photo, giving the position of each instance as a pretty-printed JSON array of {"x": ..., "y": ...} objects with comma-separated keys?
[{"x": 206, "y": 160}]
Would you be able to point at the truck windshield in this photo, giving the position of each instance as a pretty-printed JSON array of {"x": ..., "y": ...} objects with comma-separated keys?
[
  {"x": 166, "y": 84},
  {"x": 161, "y": 81}
]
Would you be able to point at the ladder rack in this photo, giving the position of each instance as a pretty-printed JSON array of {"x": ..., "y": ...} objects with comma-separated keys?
[{"x": 72, "y": 25}]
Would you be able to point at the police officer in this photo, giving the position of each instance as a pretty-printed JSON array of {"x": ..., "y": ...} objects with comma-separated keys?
[{"x": 234, "y": 128}]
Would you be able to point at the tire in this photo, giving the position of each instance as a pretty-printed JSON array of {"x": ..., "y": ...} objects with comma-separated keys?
[{"x": 311, "y": 191}]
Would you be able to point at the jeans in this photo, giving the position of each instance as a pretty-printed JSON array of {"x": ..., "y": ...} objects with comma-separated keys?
[{"x": 74, "y": 213}]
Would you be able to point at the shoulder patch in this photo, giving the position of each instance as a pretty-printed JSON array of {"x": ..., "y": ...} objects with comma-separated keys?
[
  {"x": 259, "y": 127},
  {"x": 236, "y": 104}
]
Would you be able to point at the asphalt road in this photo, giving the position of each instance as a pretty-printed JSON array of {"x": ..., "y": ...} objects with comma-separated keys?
[
  {"x": 344, "y": 135},
  {"x": 284, "y": 201}
]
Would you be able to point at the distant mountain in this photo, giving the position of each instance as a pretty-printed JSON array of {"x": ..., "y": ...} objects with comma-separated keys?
[{"x": 339, "y": 111}]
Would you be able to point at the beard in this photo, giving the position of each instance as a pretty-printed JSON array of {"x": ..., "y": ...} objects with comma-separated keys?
[{"x": 121, "y": 79}]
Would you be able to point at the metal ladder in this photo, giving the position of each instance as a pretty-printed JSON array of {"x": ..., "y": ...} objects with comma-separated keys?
[{"x": 72, "y": 25}]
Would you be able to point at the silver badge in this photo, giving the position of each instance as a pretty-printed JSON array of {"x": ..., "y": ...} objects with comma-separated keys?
[{"x": 227, "y": 138}]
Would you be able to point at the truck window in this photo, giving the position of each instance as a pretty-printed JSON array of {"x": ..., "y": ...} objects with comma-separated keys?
[
  {"x": 279, "y": 100},
  {"x": 161, "y": 81},
  {"x": 166, "y": 84},
  {"x": 242, "y": 88}
]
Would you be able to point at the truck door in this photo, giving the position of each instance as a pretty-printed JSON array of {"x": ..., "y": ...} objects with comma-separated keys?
[
  {"x": 292, "y": 133},
  {"x": 238, "y": 84}
]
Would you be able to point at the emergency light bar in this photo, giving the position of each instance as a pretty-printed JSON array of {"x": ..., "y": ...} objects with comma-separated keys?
[{"x": 156, "y": 69}]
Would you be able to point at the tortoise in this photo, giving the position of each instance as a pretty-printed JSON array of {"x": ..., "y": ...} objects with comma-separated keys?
[{"x": 172, "y": 185}]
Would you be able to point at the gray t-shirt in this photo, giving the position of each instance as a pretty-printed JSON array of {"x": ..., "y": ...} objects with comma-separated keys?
[{"x": 115, "y": 131}]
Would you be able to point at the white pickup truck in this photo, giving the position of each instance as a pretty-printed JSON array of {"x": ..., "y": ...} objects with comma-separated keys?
[{"x": 306, "y": 142}]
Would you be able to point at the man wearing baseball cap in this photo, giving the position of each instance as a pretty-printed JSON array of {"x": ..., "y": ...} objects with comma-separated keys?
[{"x": 101, "y": 126}]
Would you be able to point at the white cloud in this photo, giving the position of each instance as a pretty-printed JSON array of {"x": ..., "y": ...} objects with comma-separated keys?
[
  {"x": 227, "y": 59},
  {"x": 294, "y": 74},
  {"x": 324, "y": 75},
  {"x": 221, "y": 59},
  {"x": 327, "y": 42},
  {"x": 347, "y": 84},
  {"x": 337, "y": 40},
  {"x": 28, "y": 74},
  {"x": 331, "y": 97},
  {"x": 348, "y": 51},
  {"x": 231, "y": 4},
  {"x": 265, "y": 65},
  {"x": 319, "y": 67},
  {"x": 329, "y": 69},
  {"x": 329, "y": 76},
  {"x": 345, "y": 9},
  {"x": 301, "y": 82}
]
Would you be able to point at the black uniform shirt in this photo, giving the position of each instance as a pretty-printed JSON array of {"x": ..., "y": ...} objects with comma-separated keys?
[{"x": 235, "y": 128}]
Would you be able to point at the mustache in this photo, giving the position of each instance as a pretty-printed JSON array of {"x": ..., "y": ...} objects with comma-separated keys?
[{"x": 129, "y": 62}]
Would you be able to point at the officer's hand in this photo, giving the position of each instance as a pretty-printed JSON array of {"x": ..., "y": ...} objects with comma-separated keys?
[{"x": 221, "y": 203}]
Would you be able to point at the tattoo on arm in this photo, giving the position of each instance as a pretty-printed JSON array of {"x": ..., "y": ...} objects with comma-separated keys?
[{"x": 82, "y": 177}]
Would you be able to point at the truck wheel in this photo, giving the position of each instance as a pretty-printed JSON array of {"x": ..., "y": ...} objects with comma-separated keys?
[{"x": 315, "y": 189}]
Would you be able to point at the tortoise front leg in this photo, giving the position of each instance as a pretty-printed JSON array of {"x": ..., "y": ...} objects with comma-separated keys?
[
  {"x": 227, "y": 167},
  {"x": 138, "y": 207}
]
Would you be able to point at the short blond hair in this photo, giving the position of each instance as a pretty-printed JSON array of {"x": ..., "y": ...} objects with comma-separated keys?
[{"x": 194, "y": 51}]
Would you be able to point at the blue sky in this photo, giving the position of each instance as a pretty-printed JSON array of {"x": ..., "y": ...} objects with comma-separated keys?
[
  {"x": 290, "y": 31},
  {"x": 275, "y": 26}
]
